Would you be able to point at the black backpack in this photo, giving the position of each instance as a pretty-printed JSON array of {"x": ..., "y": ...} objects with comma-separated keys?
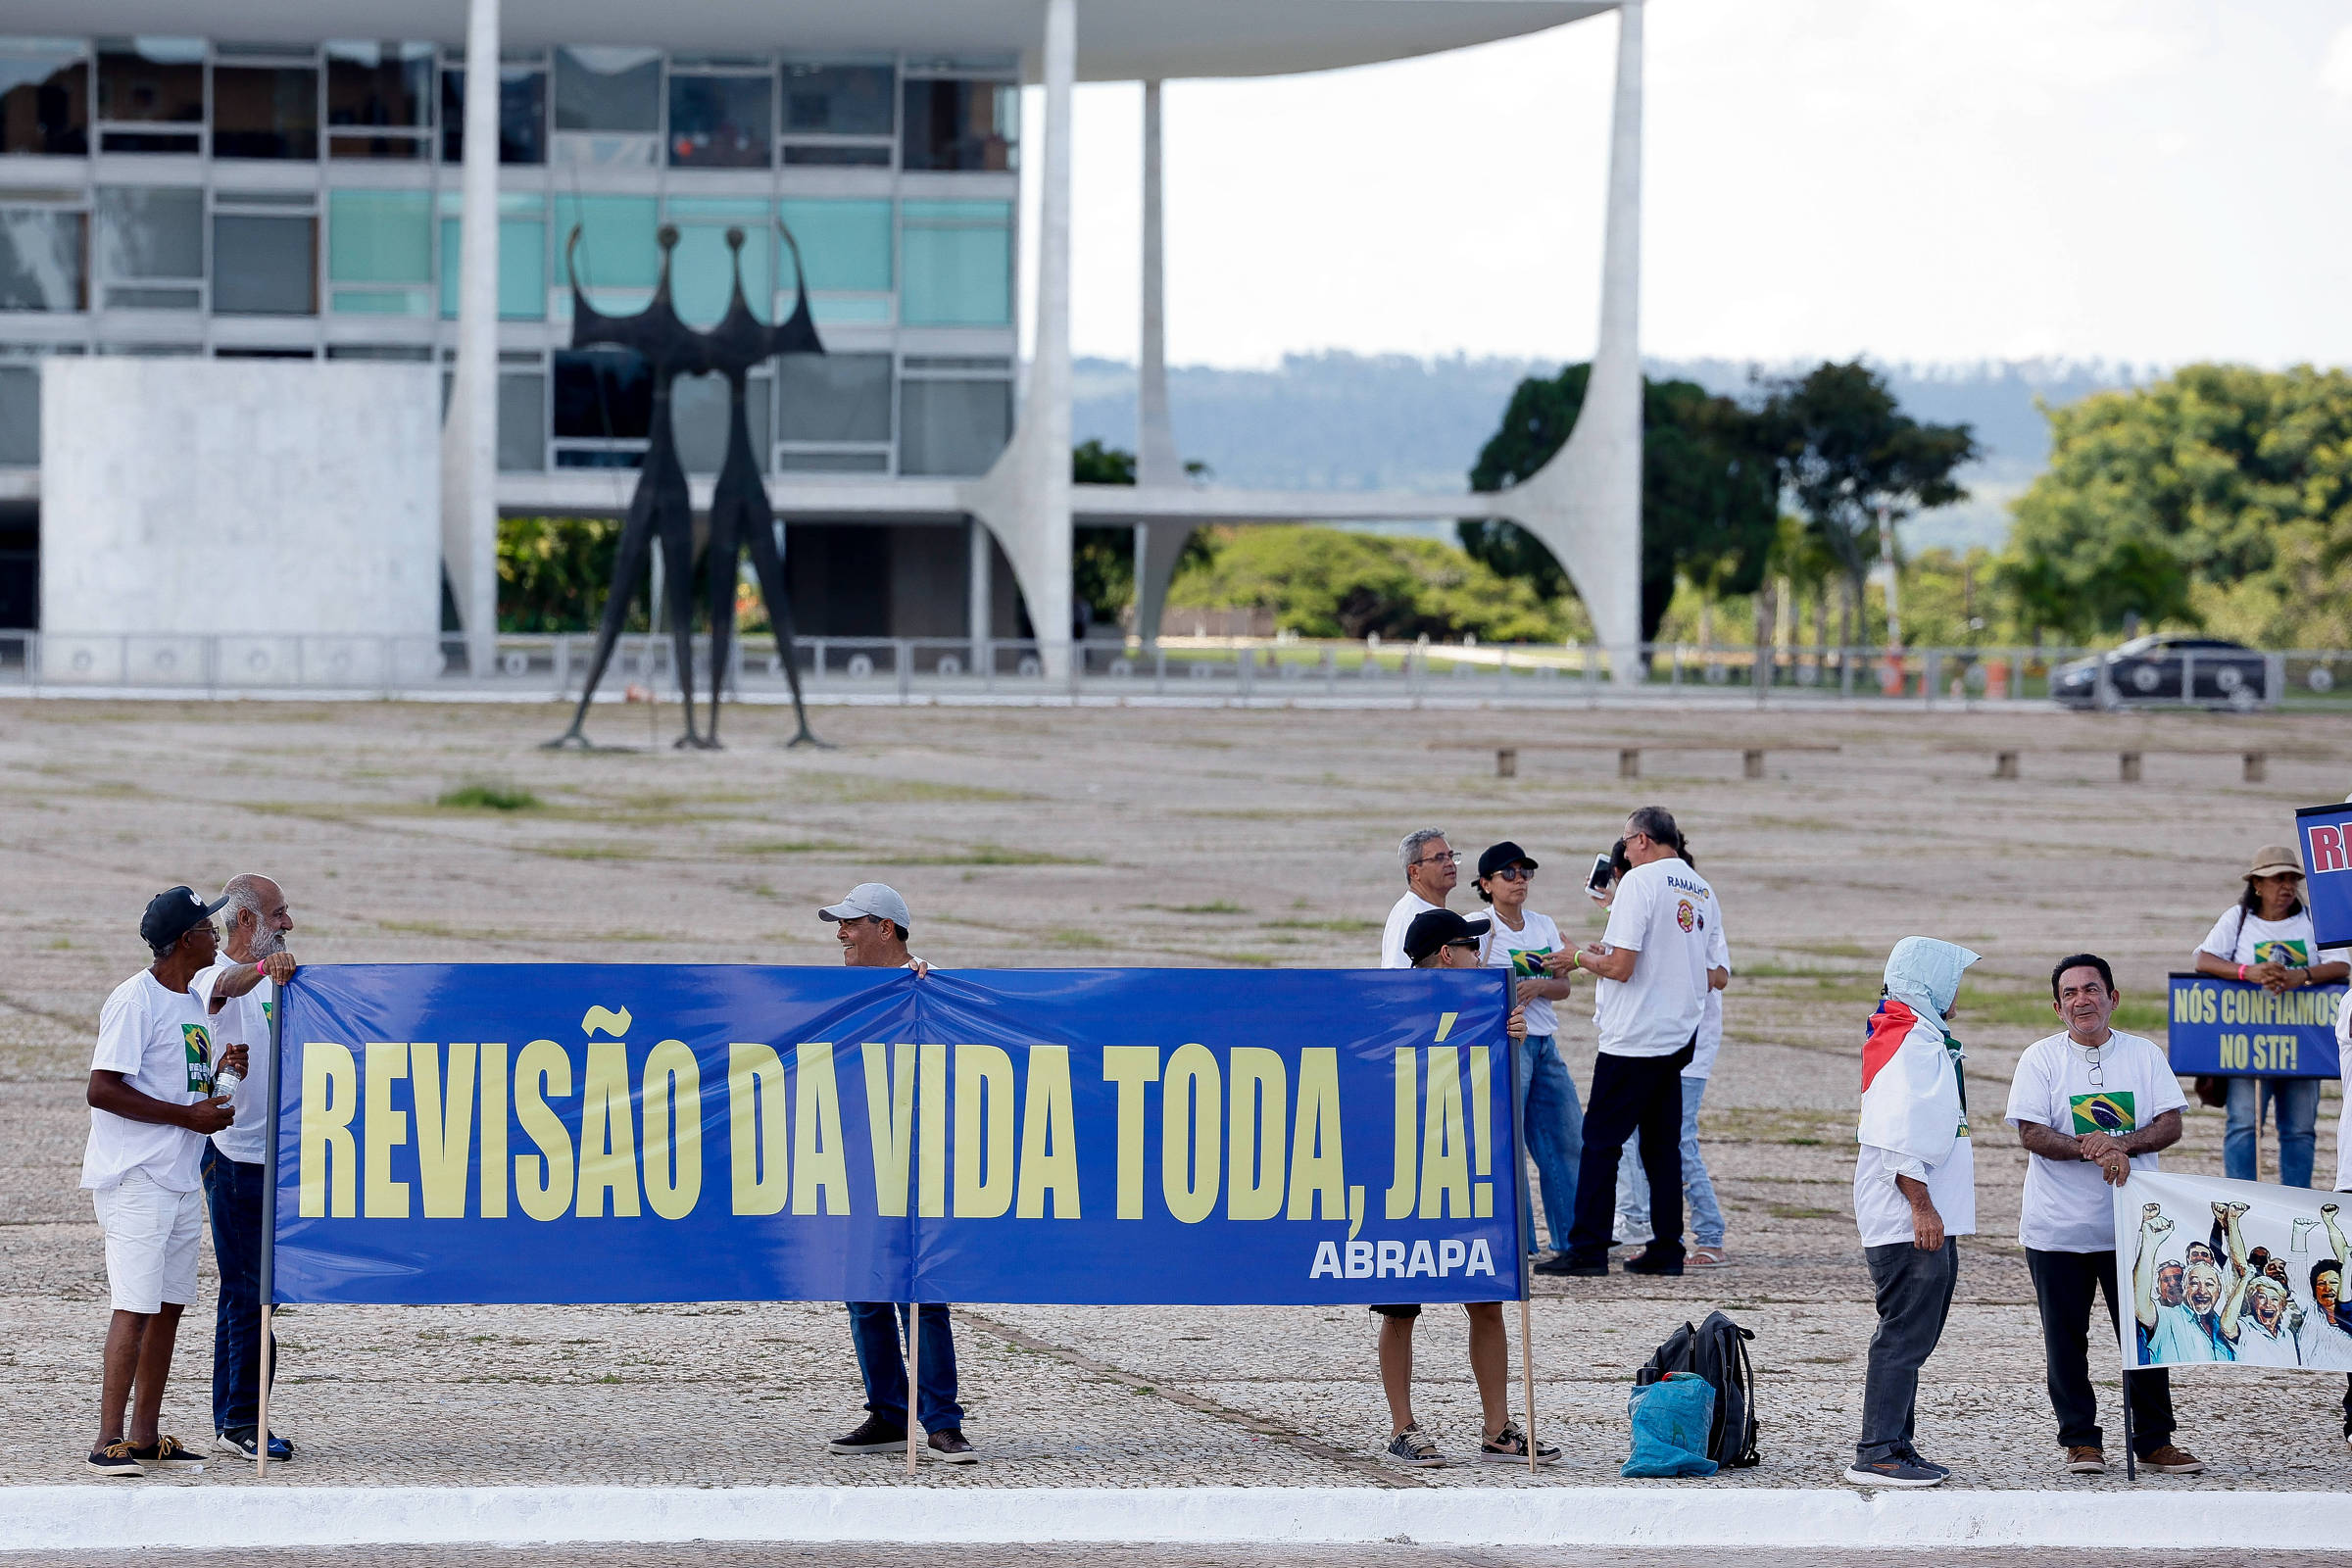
[{"x": 1717, "y": 1351}]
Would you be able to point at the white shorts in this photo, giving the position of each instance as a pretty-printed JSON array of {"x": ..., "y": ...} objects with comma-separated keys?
[{"x": 152, "y": 1238}]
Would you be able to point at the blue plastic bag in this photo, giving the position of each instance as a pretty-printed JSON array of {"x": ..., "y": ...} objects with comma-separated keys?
[{"x": 1671, "y": 1421}]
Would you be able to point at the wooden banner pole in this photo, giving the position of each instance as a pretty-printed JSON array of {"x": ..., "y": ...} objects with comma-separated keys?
[
  {"x": 915, "y": 1375},
  {"x": 269, "y": 1270}
]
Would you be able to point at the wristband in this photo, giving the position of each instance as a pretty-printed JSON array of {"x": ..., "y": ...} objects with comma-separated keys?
[
  {"x": 1575, "y": 956},
  {"x": 2242, "y": 972},
  {"x": 260, "y": 970}
]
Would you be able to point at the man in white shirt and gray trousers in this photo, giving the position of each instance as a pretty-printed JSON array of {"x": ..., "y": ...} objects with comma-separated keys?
[{"x": 1651, "y": 965}]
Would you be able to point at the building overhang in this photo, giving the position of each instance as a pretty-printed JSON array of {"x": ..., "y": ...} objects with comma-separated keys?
[{"x": 1118, "y": 40}]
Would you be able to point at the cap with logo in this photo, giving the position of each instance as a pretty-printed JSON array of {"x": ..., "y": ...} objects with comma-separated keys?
[
  {"x": 870, "y": 901},
  {"x": 1433, "y": 929},
  {"x": 172, "y": 914},
  {"x": 1502, "y": 854}
]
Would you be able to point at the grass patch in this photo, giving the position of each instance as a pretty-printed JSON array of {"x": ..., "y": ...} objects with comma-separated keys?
[
  {"x": 988, "y": 854},
  {"x": 1800, "y": 1211},
  {"x": 1348, "y": 927},
  {"x": 1070, "y": 937},
  {"x": 589, "y": 851},
  {"x": 791, "y": 847},
  {"x": 1219, "y": 907},
  {"x": 484, "y": 797}
]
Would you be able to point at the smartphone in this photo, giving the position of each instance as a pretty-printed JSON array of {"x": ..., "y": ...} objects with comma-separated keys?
[{"x": 1597, "y": 886}]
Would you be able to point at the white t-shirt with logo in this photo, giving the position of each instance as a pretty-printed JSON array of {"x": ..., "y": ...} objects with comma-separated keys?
[
  {"x": 1522, "y": 952},
  {"x": 1392, "y": 939},
  {"x": 161, "y": 1042},
  {"x": 1663, "y": 910},
  {"x": 2239, "y": 937},
  {"x": 242, "y": 1021},
  {"x": 1710, "y": 1018},
  {"x": 2069, "y": 1206}
]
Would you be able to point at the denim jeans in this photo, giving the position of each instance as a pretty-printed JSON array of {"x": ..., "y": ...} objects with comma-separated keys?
[
  {"x": 878, "y": 1330},
  {"x": 2295, "y": 1104},
  {"x": 233, "y": 1191},
  {"x": 1552, "y": 1123},
  {"x": 1633, "y": 1186}
]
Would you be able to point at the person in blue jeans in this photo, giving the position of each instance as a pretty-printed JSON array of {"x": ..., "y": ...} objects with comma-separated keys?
[
  {"x": 1698, "y": 1188},
  {"x": 2267, "y": 939},
  {"x": 871, "y": 925},
  {"x": 1552, "y": 1121}
]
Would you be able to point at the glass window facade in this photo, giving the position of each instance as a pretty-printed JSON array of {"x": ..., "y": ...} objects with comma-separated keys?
[
  {"x": 152, "y": 82},
  {"x": 601, "y": 395},
  {"x": 702, "y": 269},
  {"x": 45, "y": 99},
  {"x": 608, "y": 90},
  {"x": 264, "y": 111},
  {"x": 41, "y": 259},
  {"x": 379, "y": 99},
  {"x": 521, "y": 114},
  {"x": 845, "y": 246},
  {"x": 839, "y": 100},
  {"x": 958, "y": 263},
  {"x": 721, "y": 122},
  {"x": 150, "y": 231},
  {"x": 833, "y": 398},
  {"x": 264, "y": 266},
  {"x": 952, "y": 428},
  {"x": 522, "y": 257},
  {"x": 522, "y": 422},
  {"x": 617, "y": 248},
  {"x": 971, "y": 127}
]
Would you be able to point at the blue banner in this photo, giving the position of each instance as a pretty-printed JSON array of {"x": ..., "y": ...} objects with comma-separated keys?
[
  {"x": 2324, "y": 833},
  {"x": 2236, "y": 1028},
  {"x": 575, "y": 1133}
]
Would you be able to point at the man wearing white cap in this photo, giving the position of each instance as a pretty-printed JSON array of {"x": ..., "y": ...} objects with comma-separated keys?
[{"x": 871, "y": 924}]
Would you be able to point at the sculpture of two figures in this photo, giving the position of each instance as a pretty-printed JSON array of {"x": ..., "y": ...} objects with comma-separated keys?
[{"x": 662, "y": 512}]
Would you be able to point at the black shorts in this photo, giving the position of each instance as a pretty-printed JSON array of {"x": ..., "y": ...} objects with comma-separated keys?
[{"x": 1410, "y": 1309}]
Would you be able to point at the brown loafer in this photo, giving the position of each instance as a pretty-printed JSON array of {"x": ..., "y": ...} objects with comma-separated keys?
[
  {"x": 2173, "y": 1462},
  {"x": 2084, "y": 1460}
]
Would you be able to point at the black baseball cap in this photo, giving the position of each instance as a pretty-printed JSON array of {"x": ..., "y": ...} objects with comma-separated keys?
[
  {"x": 1504, "y": 854},
  {"x": 1433, "y": 929},
  {"x": 172, "y": 914}
]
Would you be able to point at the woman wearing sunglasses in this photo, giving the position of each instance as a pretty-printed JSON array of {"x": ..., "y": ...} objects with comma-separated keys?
[{"x": 1518, "y": 939}]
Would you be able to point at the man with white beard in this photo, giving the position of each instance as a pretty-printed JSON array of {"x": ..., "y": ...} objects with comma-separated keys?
[{"x": 240, "y": 993}]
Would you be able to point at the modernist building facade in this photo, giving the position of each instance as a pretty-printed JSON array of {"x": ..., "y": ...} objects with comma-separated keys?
[{"x": 289, "y": 184}]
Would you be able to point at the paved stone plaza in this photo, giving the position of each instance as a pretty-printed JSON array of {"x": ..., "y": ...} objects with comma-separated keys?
[{"x": 1030, "y": 837}]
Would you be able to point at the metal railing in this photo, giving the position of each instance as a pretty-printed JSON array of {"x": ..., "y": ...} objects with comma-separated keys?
[{"x": 910, "y": 669}]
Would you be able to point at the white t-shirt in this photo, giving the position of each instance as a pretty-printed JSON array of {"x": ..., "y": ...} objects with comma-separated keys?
[
  {"x": 161, "y": 1042},
  {"x": 2067, "y": 1205},
  {"x": 1663, "y": 912},
  {"x": 242, "y": 1021},
  {"x": 1392, "y": 940},
  {"x": 2241, "y": 938},
  {"x": 2343, "y": 1059},
  {"x": 1883, "y": 1213},
  {"x": 1522, "y": 952},
  {"x": 1710, "y": 1017}
]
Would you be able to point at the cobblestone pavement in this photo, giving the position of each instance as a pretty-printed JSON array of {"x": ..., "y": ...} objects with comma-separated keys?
[
  {"x": 1126, "y": 838},
  {"x": 1253, "y": 1556}
]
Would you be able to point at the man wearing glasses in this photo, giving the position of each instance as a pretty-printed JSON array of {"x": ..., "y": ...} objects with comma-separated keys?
[
  {"x": 871, "y": 924},
  {"x": 1431, "y": 869},
  {"x": 2090, "y": 1106}
]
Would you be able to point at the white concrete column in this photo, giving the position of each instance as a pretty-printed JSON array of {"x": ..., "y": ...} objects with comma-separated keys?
[
  {"x": 980, "y": 564},
  {"x": 469, "y": 431},
  {"x": 1155, "y": 461},
  {"x": 1025, "y": 499},
  {"x": 1586, "y": 503}
]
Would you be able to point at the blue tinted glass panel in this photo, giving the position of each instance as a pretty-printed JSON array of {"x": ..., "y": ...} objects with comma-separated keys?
[
  {"x": 846, "y": 245},
  {"x": 379, "y": 236},
  {"x": 617, "y": 240},
  {"x": 521, "y": 269},
  {"x": 958, "y": 263}
]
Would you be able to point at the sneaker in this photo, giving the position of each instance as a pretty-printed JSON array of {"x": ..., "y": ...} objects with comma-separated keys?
[
  {"x": 1706, "y": 1258},
  {"x": 1562, "y": 1264},
  {"x": 2083, "y": 1460},
  {"x": 873, "y": 1436},
  {"x": 2171, "y": 1462},
  {"x": 114, "y": 1459},
  {"x": 1901, "y": 1470},
  {"x": 948, "y": 1444},
  {"x": 1652, "y": 1260},
  {"x": 167, "y": 1452},
  {"x": 239, "y": 1441},
  {"x": 1912, "y": 1454},
  {"x": 1414, "y": 1447},
  {"x": 1510, "y": 1447}
]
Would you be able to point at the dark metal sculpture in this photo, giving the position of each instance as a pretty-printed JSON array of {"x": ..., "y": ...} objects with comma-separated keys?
[{"x": 662, "y": 512}]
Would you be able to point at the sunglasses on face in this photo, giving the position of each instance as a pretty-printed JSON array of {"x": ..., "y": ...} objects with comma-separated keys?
[{"x": 1516, "y": 873}]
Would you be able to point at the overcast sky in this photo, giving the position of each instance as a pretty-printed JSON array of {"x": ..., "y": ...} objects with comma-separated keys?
[{"x": 2144, "y": 180}]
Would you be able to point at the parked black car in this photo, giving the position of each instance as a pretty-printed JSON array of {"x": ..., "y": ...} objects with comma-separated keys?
[{"x": 2150, "y": 670}]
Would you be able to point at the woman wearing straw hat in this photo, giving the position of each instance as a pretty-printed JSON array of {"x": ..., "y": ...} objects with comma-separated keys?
[{"x": 2267, "y": 938}]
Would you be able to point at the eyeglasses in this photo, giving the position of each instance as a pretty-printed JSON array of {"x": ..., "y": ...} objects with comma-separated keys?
[
  {"x": 1449, "y": 858},
  {"x": 1516, "y": 873},
  {"x": 2099, "y": 1078}
]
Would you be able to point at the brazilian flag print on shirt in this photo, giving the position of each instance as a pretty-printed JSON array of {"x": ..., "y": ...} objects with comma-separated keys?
[
  {"x": 1527, "y": 963},
  {"x": 2295, "y": 954},
  {"x": 199, "y": 1047},
  {"x": 2109, "y": 1111}
]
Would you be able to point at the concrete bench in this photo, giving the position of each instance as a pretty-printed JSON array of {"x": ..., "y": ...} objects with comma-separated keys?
[{"x": 1629, "y": 757}]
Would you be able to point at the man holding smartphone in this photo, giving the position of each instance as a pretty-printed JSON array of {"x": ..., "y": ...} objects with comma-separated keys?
[{"x": 1651, "y": 968}]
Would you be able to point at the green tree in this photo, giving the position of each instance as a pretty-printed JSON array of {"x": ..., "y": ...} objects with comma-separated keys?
[
  {"x": 554, "y": 572},
  {"x": 1102, "y": 560},
  {"x": 2219, "y": 496},
  {"x": 1709, "y": 489},
  {"x": 1334, "y": 582},
  {"x": 1847, "y": 453}
]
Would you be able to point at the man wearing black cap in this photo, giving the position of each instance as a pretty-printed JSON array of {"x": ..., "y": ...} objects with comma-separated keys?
[
  {"x": 871, "y": 924},
  {"x": 151, "y": 1106},
  {"x": 1439, "y": 939}
]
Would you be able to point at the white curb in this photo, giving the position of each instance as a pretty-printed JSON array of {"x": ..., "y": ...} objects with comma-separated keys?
[{"x": 113, "y": 1517}]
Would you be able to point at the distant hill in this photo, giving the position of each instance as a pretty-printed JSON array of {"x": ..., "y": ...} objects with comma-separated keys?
[{"x": 1345, "y": 422}]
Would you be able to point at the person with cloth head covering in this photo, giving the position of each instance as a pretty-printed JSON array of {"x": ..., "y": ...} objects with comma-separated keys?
[{"x": 1915, "y": 1192}]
